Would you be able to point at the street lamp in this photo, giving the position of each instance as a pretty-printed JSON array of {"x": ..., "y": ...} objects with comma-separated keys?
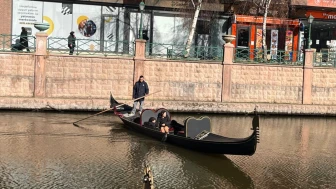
[
  {"x": 141, "y": 7},
  {"x": 310, "y": 21}
]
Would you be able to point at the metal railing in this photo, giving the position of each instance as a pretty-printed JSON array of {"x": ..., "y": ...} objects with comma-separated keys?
[
  {"x": 178, "y": 52},
  {"x": 325, "y": 59},
  {"x": 17, "y": 43},
  {"x": 281, "y": 57},
  {"x": 92, "y": 47}
]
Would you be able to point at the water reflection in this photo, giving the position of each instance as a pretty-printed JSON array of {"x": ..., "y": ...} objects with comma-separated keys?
[
  {"x": 44, "y": 150},
  {"x": 176, "y": 167}
]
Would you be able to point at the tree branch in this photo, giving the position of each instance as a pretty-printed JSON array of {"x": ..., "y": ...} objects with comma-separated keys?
[
  {"x": 192, "y": 1},
  {"x": 258, "y": 5}
]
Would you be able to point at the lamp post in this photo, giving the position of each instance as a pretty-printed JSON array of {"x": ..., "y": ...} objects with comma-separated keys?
[
  {"x": 310, "y": 21},
  {"x": 141, "y": 7}
]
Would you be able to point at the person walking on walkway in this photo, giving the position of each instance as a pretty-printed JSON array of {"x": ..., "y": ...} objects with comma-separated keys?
[
  {"x": 24, "y": 39},
  {"x": 72, "y": 42},
  {"x": 140, "y": 89}
]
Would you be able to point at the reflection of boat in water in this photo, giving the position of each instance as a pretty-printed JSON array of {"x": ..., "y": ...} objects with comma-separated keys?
[
  {"x": 196, "y": 134},
  {"x": 201, "y": 166},
  {"x": 219, "y": 165}
]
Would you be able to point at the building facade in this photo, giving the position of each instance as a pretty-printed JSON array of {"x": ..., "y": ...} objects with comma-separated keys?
[{"x": 108, "y": 23}]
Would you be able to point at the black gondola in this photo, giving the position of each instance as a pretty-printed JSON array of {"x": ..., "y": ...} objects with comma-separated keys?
[{"x": 194, "y": 134}]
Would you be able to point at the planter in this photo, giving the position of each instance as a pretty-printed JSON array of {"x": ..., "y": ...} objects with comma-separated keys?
[
  {"x": 41, "y": 26},
  {"x": 228, "y": 38}
]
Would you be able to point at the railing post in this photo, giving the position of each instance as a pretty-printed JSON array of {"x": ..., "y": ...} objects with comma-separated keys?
[
  {"x": 39, "y": 71},
  {"x": 228, "y": 55},
  {"x": 139, "y": 58},
  {"x": 307, "y": 77}
]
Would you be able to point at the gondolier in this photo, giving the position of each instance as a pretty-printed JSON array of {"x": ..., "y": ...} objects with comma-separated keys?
[{"x": 140, "y": 89}]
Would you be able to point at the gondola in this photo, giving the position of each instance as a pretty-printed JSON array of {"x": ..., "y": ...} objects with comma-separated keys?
[{"x": 194, "y": 134}]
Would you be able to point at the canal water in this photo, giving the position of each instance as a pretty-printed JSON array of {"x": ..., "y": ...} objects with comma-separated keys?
[{"x": 44, "y": 150}]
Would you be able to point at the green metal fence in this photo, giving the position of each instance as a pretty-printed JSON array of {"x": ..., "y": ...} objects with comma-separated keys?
[
  {"x": 281, "y": 57},
  {"x": 178, "y": 52},
  {"x": 17, "y": 43},
  {"x": 325, "y": 59},
  {"x": 92, "y": 47}
]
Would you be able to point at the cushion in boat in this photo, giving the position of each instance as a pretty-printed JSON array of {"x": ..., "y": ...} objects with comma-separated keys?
[
  {"x": 148, "y": 113},
  {"x": 195, "y": 126}
]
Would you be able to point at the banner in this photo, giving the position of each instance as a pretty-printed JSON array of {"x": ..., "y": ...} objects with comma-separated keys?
[
  {"x": 274, "y": 44},
  {"x": 289, "y": 45},
  {"x": 86, "y": 24},
  {"x": 60, "y": 19},
  {"x": 26, "y": 14}
]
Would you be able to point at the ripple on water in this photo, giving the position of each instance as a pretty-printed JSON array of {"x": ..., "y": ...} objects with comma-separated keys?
[{"x": 44, "y": 150}]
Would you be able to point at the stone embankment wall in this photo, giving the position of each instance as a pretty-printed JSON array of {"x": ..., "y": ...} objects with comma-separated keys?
[
  {"x": 324, "y": 86},
  {"x": 265, "y": 83},
  {"x": 16, "y": 75},
  {"x": 31, "y": 81},
  {"x": 83, "y": 77}
]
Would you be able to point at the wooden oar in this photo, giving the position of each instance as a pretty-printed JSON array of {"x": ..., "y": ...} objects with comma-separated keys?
[{"x": 74, "y": 123}]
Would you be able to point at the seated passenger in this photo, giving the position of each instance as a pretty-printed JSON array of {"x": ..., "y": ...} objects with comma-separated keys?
[
  {"x": 164, "y": 122},
  {"x": 151, "y": 123}
]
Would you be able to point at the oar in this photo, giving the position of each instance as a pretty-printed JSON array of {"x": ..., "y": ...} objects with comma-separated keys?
[{"x": 74, "y": 123}]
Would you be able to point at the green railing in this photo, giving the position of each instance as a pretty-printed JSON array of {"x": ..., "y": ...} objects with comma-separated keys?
[
  {"x": 16, "y": 43},
  {"x": 178, "y": 52},
  {"x": 325, "y": 59},
  {"x": 246, "y": 55},
  {"x": 92, "y": 47}
]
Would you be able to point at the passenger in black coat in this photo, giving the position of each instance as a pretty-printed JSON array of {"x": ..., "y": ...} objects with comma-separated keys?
[
  {"x": 164, "y": 122},
  {"x": 151, "y": 123},
  {"x": 140, "y": 89}
]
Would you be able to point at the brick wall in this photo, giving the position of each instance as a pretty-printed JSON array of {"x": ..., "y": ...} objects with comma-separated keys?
[
  {"x": 184, "y": 81},
  {"x": 324, "y": 86},
  {"x": 265, "y": 83},
  {"x": 16, "y": 75},
  {"x": 85, "y": 77},
  {"x": 6, "y": 16}
]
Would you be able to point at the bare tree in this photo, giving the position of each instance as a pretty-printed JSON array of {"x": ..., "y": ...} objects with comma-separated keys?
[
  {"x": 193, "y": 26},
  {"x": 263, "y": 5},
  {"x": 192, "y": 11}
]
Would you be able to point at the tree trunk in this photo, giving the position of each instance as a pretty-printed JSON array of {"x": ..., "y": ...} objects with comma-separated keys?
[
  {"x": 267, "y": 4},
  {"x": 193, "y": 26}
]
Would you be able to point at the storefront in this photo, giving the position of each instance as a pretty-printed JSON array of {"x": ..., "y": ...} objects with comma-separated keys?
[
  {"x": 282, "y": 35},
  {"x": 323, "y": 30}
]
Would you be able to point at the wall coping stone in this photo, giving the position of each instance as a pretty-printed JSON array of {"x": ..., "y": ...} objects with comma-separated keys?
[
  {"x": 37, "y": 104},
  {"x": 91, "y": 56}
]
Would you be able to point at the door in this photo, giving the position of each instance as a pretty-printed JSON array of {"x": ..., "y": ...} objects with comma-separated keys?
[{"x": 243, "y": 40}]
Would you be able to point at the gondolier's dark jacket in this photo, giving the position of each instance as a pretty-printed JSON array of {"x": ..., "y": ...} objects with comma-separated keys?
[{"x": 140, "y": 89}]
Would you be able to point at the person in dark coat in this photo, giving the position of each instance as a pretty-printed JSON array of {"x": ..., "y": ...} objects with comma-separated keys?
[
  {"x": 72, "y": 42},
  {"x": 164, "y": 122},
  {"x": 151, "y": 123},
  {"x": 140, "y": 89},
  {"x": 24, "y": 39}
]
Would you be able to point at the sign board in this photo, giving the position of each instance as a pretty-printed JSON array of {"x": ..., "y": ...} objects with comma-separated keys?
[
  {"x": 322, "y": 14},
  {"x": 322, "y": 3}
]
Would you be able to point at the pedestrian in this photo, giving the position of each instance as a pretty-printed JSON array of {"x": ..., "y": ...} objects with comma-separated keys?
[
  {"x": 24, "y": 39},
  {"x": 72, "y": 42},
  {"x": 140, "y": 89}
]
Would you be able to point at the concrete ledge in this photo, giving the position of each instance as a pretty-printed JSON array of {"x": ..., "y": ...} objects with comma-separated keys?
[{"x": 174, "y": 106}]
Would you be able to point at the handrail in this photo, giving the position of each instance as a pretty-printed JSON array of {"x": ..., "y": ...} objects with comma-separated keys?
[{"x": 17, "y": 43}]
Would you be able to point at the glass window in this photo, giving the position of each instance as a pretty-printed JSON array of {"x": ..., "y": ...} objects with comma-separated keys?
[{"x": 243, "y": 36}]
